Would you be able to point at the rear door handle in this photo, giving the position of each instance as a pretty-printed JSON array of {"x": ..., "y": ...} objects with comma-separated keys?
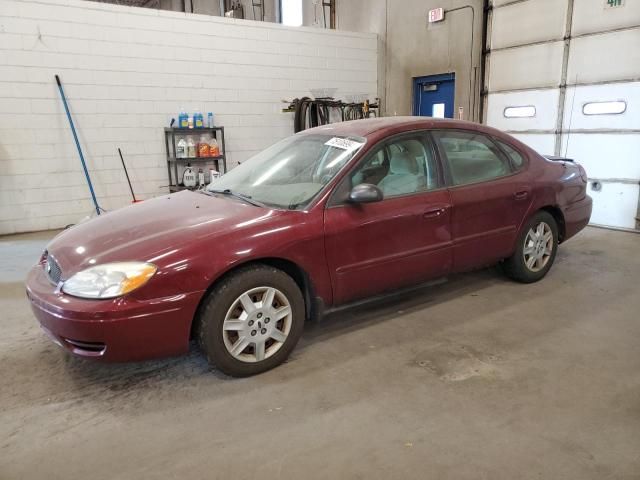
[
  {"x": 522, "y": 195},
  {"x": 434, "y": 212}
]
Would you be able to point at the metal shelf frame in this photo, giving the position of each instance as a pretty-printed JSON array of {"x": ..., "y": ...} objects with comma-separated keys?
[{"x": 170, "y": 135}]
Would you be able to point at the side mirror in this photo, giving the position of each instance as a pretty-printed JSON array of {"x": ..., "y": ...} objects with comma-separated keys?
[{"x": 365, "y": 193}]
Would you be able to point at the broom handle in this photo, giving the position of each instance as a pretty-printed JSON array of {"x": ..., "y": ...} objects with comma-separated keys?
[{"x": 127, "y": 174}]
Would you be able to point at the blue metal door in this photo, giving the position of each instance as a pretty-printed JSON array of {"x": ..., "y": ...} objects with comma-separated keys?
[{"x": 433, "y": 95}]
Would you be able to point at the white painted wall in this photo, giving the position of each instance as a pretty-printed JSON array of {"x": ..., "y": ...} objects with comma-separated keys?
[
  {"x": 126, "y": 71},
  {"x": 411, "y": 47}
]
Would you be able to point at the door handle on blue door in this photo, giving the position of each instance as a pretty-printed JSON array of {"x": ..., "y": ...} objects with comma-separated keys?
[{"x": 522, "y": 195}]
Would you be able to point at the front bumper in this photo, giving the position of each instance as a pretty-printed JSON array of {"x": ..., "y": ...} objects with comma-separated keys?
[{"x": 119, "y": 330}]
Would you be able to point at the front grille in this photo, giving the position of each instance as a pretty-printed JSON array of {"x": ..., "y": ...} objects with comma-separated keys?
[{"x": 53, "y": 269}]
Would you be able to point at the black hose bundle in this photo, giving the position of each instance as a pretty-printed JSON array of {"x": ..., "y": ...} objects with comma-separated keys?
[
  {"x": 312, "y": 113},
  {"x": 299, "y": 118}
]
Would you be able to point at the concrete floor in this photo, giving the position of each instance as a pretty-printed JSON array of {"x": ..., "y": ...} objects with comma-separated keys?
[{"x": 475, "y": 378}]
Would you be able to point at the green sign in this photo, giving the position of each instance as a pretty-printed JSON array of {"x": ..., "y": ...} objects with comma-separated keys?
[{"x": 613, "y": 3}]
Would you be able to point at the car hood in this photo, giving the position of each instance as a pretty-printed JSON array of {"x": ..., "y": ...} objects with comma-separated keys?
[{"x": 150, "y": 230}]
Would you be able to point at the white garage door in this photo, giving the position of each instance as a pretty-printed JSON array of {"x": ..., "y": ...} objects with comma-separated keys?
[{"x": 563, "y": 76}]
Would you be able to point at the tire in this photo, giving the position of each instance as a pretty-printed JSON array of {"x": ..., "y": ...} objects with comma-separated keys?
[
  {"x": 534, "y": 255},
  {"x": 239, "y": 333}
]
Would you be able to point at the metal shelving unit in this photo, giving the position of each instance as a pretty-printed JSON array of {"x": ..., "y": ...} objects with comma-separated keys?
[{"x": 170, "y": 135}]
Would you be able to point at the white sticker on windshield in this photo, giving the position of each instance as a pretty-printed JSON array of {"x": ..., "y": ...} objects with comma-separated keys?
[{"x": 343, "y": 143}]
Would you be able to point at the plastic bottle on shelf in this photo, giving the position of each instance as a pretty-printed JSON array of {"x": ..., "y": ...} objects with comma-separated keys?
[
  {"x": 181, "y": 148},
  {"x": 198, "y": 120},
  {"x": 200, "y": 178},
  {"x": 188, "y": 177},
  {"x": 214, "y": 149},
  {"x": 210, "y": 120},
  {"x": 190, "y": 124},
  {"x": 213, "y": 174},
  {"x": 203, "y": 147},
  {"x": 183, "y": 119},
  {"x": 191, "y": 148}
]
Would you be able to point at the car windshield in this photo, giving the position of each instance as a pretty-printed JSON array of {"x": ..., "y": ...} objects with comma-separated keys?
[{"x": 290, "y": 173}]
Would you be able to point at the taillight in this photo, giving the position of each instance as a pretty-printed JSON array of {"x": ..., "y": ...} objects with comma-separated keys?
[{"x": 583, "y": 173}]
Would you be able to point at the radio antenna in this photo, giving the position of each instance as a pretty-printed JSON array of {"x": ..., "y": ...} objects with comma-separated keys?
[{"x": 573, "y": 99}]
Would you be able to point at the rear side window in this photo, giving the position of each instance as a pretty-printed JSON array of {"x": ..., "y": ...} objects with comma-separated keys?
[
  {"x": 472, "y": 157},
  {"x": 516, "y": 159}
]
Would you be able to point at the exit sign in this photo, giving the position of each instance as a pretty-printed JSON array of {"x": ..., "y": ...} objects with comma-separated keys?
[
  {"x": 436, "y": 15},
  {"x": 613, "y": 3}
]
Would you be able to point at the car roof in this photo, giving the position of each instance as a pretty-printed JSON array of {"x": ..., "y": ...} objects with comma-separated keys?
[
  {"x": 368, "y": 126},
  {"x": 375, "y": 129}
]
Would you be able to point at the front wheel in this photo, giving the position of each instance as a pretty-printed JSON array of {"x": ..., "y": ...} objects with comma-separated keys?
[
  {"x": 535, "y": 251},
  {"x": 251, "y": 321}
]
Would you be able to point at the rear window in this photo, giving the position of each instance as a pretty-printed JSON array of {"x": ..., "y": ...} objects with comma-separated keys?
[{"x": 516, "y": 159}]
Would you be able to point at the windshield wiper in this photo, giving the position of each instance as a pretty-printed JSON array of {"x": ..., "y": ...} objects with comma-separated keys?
[{"x": 240, "y": 196}]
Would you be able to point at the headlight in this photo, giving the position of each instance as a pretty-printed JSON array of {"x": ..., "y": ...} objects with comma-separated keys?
[{"x": 109, "y": 280}]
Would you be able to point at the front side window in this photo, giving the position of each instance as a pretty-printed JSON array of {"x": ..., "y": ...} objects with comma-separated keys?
[
  {"x": 290, "y": 173},
  {"x": 471, "y": 157},
  {"x": 399, "y": 167}
]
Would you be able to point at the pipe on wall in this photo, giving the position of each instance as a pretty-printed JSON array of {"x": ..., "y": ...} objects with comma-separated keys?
[
  {"x": 486, "y": 10},
  {"x": 471, "y": 104}
]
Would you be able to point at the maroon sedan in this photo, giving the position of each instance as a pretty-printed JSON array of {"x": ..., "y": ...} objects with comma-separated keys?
[{"x": 323, "y": 218}]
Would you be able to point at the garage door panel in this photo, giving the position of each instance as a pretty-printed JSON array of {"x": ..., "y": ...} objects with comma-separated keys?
[
  {"x": 607, "y": 57},
  {"x": 601, "y": 110},
  {"x": 526, "y": 67},
  {"x": 545, "y": 21},
  {"x": 578, "y": 97},
  {"x": 595, "y": 16},
  {"x": 605, "y": 155},
  {"x": 543, "y": 143},
  {"x": 615, "y": 205},
  {"x": 545, "y": 103}
]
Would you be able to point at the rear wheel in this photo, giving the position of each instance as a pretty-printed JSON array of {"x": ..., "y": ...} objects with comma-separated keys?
[
  {"x": 251, "y": 321},
  {"x": 535, "y": 251}
]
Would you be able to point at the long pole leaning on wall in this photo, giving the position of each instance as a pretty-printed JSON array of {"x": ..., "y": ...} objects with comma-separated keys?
[{"x": 77, "y": 142}]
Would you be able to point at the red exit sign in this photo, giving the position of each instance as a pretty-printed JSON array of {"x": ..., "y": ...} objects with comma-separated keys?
[{"x": 436, "y": 15}]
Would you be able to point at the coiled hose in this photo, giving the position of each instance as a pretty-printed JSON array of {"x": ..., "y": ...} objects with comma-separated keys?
[{"x": 311, "y": 113}]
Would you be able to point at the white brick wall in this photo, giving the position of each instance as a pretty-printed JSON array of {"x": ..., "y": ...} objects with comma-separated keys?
[{"x": 126, "y": 71}]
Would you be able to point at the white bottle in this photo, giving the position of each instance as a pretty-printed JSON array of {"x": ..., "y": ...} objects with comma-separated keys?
[
  {"x": 200, "y": 178},
  {"x": 213, "y": 175},
  {"x": 191, "y": 148},
  {"x": 189, "y": 177},
  {"x": 181, "y": 148}
]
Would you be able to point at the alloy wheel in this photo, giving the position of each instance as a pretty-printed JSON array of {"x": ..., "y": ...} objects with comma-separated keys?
[
  {"x": 257, "y": 324},
  {"x": 538, "y": 247}
]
